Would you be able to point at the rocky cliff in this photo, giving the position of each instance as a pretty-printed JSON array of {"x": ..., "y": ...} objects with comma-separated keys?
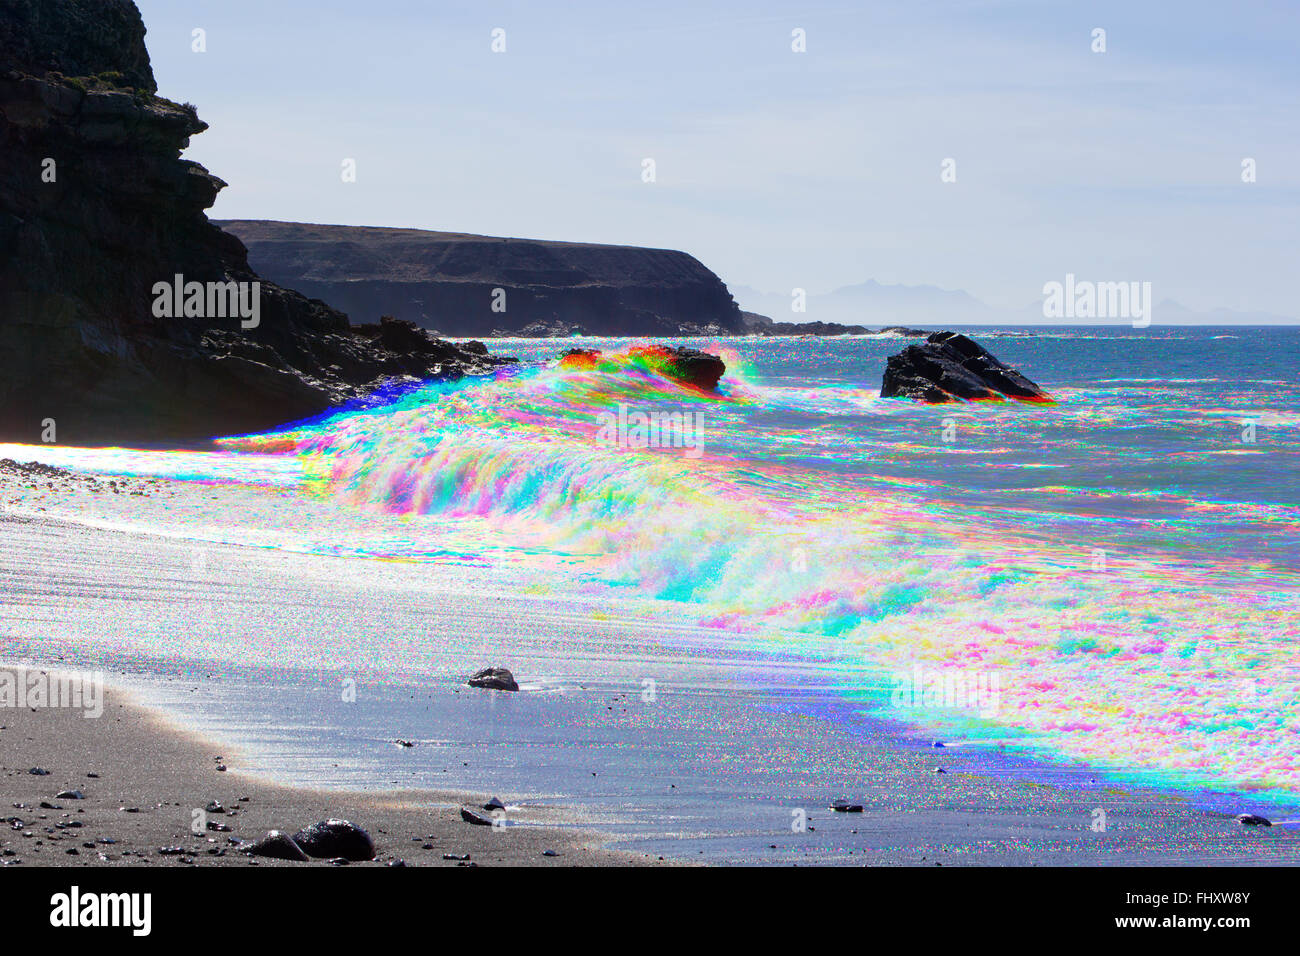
[
  {"x": 96, "y": 209},
  {"x": 448, "y": 281}
]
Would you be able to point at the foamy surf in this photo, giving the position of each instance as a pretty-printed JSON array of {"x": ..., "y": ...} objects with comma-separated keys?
[{"x": 1081, "y": 623}]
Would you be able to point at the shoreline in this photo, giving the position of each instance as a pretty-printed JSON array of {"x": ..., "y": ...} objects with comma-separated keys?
[
  {"x": 88, "y": 592},
  {"x": 145, "y": 780}
]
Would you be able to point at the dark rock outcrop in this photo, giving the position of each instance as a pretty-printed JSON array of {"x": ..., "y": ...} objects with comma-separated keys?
[
  {"x": 950, "y": 367},
  {"x": 96, "y": 208},
  {"x": 692, "y": 367},
  {"x": 494, "y": 678},
  {"x": 331, "y": 839},
  {"x": 448, "y": 281}
]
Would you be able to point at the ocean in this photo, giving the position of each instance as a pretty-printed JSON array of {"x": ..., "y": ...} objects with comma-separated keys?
[{"x": 1104, "y": 586}]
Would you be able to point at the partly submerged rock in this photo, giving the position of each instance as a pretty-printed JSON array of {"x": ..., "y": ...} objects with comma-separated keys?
[
  {"x": 474, "y": 817},
  {"x": 692, "y": 367},
  {"x": 277, "y": 846},
  {"x": 494, "y": 678},
  {"x": 689, "y": 366},
  {"x": 1253, "y": 820},
  {"x": 332, "y": 839},
  {"x": 949, "y": 367},
  {"x": 843, "y": 806}
]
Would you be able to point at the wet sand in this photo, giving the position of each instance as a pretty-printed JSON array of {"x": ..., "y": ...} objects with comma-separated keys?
[
  {"x": 144, "y": 781},
  {"x": 249, "y": 644}
]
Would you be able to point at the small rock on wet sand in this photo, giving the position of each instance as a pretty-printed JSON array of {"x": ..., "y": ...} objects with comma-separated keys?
[{"x": 494, "y": 678}]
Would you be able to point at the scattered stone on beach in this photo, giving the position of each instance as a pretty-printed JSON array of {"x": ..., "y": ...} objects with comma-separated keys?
[
  {"x": 950, "y": 367},
  {"x": 277, "y": 846},
  {"x": 549, "y": 853},
  {"x": 494, "y": 804},
  {"x": 214, "y": 806},
  {"x": 171, "y": 851},
  {"x": 221, "y": 768},
  {"x": 70, "y": 795},
  {"x": 455, "y": 856},
  {"x": 843, "y": 806},
  {"x": 1253, "y": 820},
  {"x": 469, "y": 816},
  {"x": 396, "y": 863},
  {"x": 39, "y": 772},
  {"x": 336, "y": 838},
  {"x": 494, "y": 678}
]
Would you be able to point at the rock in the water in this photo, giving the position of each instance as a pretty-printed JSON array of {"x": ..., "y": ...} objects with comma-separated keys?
[
  {"x": 471, "y": 816},
  {"x": 950, "y": 367},
  {"x": 580, "y": 358},
  {"x": 1253, "y": 820},
  {"x": 494, "y": 678},
  {"x": 843, "y": 806},
  {"x": 277, "y": 846},
  {"x": 689, "y": 366},
  {"x": 336, "y": 838},
  {"x": 692, "y": 367}
]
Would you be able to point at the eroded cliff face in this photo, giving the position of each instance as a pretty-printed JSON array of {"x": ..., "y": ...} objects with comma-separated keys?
[
  {"x": 96, "y": 208},
  {"x": 449, "y": 281}
]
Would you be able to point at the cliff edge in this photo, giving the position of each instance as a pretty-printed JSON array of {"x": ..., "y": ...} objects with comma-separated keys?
[{"x": 97, "y": 212}]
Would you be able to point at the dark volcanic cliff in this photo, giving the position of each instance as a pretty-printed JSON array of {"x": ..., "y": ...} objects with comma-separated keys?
[
  {"x": 446, "y": 281},
  {"x": 84, "y": 239}
]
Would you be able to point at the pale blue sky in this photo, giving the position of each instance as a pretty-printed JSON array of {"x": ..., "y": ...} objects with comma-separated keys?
[{"x": 777, "y": 169}]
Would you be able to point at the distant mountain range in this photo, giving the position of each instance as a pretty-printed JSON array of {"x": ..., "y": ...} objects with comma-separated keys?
[{"x": 875, "y": 304}]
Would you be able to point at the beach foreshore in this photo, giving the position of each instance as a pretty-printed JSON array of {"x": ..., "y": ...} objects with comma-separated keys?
[
  {"x": 148, "y": 790},
  {"x": 231, "y": 630}
]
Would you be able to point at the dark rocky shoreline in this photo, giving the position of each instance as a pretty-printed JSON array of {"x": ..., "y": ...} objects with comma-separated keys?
[{"x": 85, "y": 237}]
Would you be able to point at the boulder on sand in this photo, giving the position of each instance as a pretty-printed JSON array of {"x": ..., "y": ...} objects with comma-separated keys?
[
  {"x": 494, "y": 678},
  {"x": 950, "y": 367},
  {"x": 335, "y": 838},
  {"x": 277, "y": 846}
]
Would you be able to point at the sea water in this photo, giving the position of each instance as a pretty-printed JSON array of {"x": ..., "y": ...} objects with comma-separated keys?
[{"x": 1106, "y": 581}]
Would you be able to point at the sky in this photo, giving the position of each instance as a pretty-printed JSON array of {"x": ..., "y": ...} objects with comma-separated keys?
[{"x": 777, "y": 169}]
